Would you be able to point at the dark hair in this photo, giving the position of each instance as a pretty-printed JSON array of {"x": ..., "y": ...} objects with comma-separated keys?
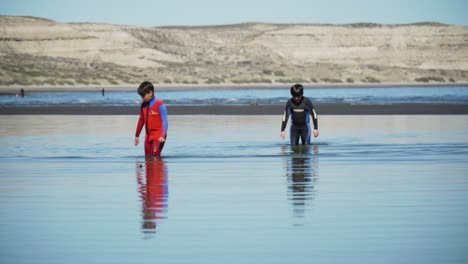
[
  {"x": 297, "y": 90},
  {"x": 144, "y": 88}
]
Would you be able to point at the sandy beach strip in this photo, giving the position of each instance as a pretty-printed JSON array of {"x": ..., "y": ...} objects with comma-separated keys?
[{"x": 322, "y": 109}]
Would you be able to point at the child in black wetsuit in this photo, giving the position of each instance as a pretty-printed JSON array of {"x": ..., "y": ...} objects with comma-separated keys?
[{"x": 300, "y": 109}]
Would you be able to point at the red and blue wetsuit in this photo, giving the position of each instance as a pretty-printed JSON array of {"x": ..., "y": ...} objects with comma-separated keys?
[
  {"x": 153, "y": 193},
  {"x": 153, "y": 116}
]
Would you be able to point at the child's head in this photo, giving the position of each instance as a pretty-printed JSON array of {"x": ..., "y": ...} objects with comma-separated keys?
[
  {"x": 146, "y": 88},
  {"x": 297, "y": 91}
]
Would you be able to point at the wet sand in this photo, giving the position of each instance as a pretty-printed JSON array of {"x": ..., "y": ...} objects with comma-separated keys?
[{"x": 322, "y": 109}]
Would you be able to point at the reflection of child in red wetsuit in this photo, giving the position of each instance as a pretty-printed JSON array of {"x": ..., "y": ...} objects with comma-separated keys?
[
  {"x": 153, "y": 192},
  {"x": 153, "y": 116}
]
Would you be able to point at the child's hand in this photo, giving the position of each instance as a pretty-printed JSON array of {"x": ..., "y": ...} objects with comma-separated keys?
[
  {"x": 161, "y": 139},
  {"x": 316, "y": 133},
  {"x": 137, "y": 140},
  {"x": 282, "y": 135}
]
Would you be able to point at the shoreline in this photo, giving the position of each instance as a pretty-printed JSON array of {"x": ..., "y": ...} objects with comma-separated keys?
[
  {"x": 322, "y": 109},
  {"x": 6, "y": 90}
]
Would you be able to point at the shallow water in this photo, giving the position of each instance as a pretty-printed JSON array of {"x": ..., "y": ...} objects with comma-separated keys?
[
  {"x": 371, "y": 189},
  {"x": 356, "y": 95}
]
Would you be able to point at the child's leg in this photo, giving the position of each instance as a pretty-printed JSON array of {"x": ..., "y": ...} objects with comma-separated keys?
[
  {"x": 294, "y": 135},
  {"x": 147, "y": 146},
  {"x": 156, "y": 148},
  {"x": 305, "y": 135}
]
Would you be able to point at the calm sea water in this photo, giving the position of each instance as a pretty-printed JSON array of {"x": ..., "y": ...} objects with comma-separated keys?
[
  {"x": 371, "y": 189},
  {"x": 389, "y": 95}
]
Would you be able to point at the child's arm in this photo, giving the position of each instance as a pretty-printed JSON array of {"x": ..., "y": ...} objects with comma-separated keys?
[
  {"x": 165, "y": 123},
  {"x": 141, "y": 122},
  {"x": 314, "y": 117},
  {"x": 285, "y": 120}
]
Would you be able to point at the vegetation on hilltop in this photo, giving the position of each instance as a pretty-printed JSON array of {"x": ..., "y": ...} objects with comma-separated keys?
[{"x": 40, "y": 52}]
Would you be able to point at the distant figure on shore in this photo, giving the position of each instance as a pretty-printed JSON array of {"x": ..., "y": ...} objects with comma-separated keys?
[
  {"x": 153, "y": 116},
  {"x": 22, "y": 92},
  {"x": 300, "y": 109},
  {"x": 102, "y": 91}
]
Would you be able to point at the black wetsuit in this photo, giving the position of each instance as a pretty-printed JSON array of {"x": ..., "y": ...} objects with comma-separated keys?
[{"x": 300, "y": 113}]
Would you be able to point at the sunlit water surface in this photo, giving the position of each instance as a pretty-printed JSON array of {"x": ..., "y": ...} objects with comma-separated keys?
[
  {"x": 371, "y": 189},
  {"x": 356, "y": 95}
]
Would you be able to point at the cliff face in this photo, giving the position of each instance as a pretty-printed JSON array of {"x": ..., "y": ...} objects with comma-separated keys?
[{"x": 36, "y": 51}]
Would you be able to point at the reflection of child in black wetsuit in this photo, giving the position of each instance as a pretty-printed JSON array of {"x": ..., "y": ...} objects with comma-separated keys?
[{"x": 300, "y": 109}]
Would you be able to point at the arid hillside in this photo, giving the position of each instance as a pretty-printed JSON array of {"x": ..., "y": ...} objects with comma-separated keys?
[{"x": 40, "y": 52}]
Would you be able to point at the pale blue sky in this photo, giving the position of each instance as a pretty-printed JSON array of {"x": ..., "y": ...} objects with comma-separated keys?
[{"x": 218, "y": 12}]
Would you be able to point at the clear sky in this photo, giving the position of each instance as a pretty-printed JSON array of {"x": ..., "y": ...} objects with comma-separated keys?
[{"x": 217, "y": 12}]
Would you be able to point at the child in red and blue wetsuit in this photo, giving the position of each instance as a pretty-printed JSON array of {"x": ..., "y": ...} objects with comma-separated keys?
[{"x": 153, "y": 116}]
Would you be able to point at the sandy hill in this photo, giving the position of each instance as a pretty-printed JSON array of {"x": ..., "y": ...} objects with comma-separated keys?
[{"x": 35, "y": 51}]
